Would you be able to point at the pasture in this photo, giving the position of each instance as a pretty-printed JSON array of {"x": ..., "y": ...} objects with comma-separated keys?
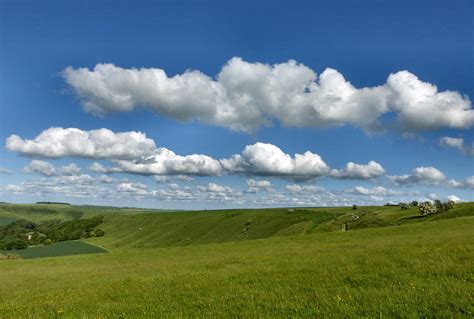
[{"x": 270, "y": 263}]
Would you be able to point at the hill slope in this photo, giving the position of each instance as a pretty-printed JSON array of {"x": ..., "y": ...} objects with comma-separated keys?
[
  {"x": 129, "y": 228},
  {"x": 192, "y": 228},
  {"x": 417, "y": 270}
]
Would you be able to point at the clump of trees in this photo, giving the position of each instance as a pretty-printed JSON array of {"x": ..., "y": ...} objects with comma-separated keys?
[
  {"x": 22, "y": 233},
  {"x": 427, "y": 208}
]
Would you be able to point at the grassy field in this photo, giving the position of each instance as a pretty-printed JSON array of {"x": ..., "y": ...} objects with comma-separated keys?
[
  {"x": 271, "y": 263},
  {"x": 64, "y": 248},
  {"x": 418, "y": 270}
]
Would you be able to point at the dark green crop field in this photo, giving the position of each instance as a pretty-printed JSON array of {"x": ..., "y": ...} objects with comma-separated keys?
[
  {"x": 64, "y": 248},
  {"x": 4, "y": 220}
]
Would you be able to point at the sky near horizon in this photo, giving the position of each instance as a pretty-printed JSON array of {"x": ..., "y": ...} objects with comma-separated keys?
[{"x": 215, "y": 104}]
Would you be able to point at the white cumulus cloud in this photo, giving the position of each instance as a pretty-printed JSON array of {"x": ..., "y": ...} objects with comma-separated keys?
[
  {"x": 457, "y": 142},
  {"x": 269, "y": 160},
  {"x": 166, "y": 162},
  {"x": 245, "y": 96},
  {"x": 57, "y": 142},
  {"x": 427, "y": 175},
  {"x": 359, "y": 171},
  {"x": 454, "y": 142},
  {"x": 254, "y": 186},
  {"x": 454, "y": 198},
  {"x": 298, "y": 189},
  {"x": 375, "y": 191},
  {"x": 40, "y": 167}
]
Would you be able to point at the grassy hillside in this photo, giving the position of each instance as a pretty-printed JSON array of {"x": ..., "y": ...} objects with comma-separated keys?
[
  {"x": 416, "y": 270},
  {"x": 129, "y": 228},
  {"x": 42, "y": 212},
  {"x": 192, "y": 228}
]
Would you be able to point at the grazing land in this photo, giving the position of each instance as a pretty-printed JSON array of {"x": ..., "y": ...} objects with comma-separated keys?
[{"x": 273, "y": 263}]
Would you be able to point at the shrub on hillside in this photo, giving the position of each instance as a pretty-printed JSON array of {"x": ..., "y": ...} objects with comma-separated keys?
[
  {"x": 16, "y": 244},
  {"x": 99, "y": 233},
  {"x": 404, "y": 206},
  {"x": 426, "y": 208}
]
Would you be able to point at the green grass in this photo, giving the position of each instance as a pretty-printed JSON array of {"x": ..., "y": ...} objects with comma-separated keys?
[
  {"x": 250, "y": 263},
  {"x": 65, "y": 248},
  {"x": 417, "y": 270}
]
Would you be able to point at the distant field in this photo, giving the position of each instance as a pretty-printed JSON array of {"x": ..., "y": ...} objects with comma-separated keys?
[
  {"x": 59, "y": 249},
  {"x": 41, "y": 212},
  {"x": 409, "y": 271}
]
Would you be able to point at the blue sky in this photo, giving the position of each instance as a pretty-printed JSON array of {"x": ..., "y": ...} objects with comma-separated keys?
[{"x": 365, "y": 41}]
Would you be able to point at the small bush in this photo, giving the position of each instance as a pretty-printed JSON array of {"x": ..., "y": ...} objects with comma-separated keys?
[
  {"x": 403, "y": 206},
  {"x": 99, "y": 233},
  {"x": 426, "y": 208}
]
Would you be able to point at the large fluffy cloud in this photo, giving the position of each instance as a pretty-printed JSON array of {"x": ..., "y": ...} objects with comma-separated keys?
[
  {"x": 269, "y": 160},
  {"x": 359, "y": 171},
  {"x": 59, "y": 142},
  {"x": 245, "y": 96}
]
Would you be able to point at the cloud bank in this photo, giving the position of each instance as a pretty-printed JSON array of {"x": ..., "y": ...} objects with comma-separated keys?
[
  {"x": 245, "y": 96},
  {"x": 133, "y": 152}
]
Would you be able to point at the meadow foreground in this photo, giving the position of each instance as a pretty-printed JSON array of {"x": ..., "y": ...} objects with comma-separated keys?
[{"x": 414, "y": 270}]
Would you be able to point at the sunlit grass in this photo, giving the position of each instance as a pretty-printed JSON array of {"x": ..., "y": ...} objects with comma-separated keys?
[{"x": 418, "y": 270}]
